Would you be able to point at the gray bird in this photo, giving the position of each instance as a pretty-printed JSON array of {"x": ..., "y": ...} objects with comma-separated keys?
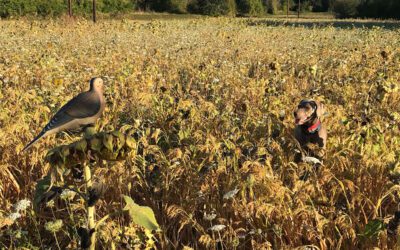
[{"x": 82, "y": 110}]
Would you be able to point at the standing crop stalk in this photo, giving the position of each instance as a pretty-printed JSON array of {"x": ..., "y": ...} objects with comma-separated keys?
[{"x": 90, "y": 209}]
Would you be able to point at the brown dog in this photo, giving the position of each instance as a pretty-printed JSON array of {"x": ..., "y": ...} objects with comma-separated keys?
[{"x": 309, "y": 129}]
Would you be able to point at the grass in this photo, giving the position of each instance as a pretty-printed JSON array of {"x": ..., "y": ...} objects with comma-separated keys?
[{"x": 213, "y": 101}]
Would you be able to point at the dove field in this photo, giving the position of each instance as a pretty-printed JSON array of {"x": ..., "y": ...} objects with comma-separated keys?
[{"x": 212, "y": 100}]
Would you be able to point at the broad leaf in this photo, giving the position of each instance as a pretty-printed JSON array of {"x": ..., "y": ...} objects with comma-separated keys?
[
  {"x": 130, "y": 142},
  {"x": 96, "y": 144},
  {"x": 108, "y": 141},
  {"x": 141, "y": 215},
  {"x": 81, "y": 145},
  {"x": 373, "y": 228},
  {"x": 42, "y": 187}
]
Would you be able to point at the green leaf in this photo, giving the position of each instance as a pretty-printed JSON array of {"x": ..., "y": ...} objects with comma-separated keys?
[
  {"x": 107, "y": 154},
  {"x": 50, "y": 153},
  {"x": 141, "y": 215},
  {"x": 81, "y": 145},
  {"x": 121, "y": 154},
  {"x": 64, "y": 150},
  {"x": 108, "y": 141},
  {"x": 116, "y": 133},
  {"x": 130, "y": 141},
  {"x": 120, "y": 139},
  {"x": 63, "y": 154},
  {"x": 42, "y": 187},
  {"x": 90, "y": 131},
  {"x": 96, "y": 144},
  {"x": 373, "y": 228},
  {"x": 53, "y": 156}
]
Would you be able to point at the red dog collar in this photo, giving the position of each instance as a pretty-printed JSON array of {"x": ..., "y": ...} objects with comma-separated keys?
[{"x": 314, "y": 128}]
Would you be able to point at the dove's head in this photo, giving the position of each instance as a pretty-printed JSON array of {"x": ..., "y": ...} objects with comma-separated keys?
[{"x": 96, "y": 84}]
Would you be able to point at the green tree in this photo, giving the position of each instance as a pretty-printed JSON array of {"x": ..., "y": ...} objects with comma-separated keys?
[
  {"x": 346, "y": 8},
  {"x": 250, "y": 7},
  {"x": 272, "y": 6},
  {"x": 321, "y": 5},
  {"x": 50, "y": 7},
  {"x": 16, "y": 8},
  {"x": 379, "y": 8},
  {"x": 117, "y": 5},
  {"x": 214, "y": 7},
  {"x": 175, "y": 6}
]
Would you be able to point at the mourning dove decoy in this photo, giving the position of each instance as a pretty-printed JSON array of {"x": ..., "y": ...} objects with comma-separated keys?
[{"x": 82, "y": 110}]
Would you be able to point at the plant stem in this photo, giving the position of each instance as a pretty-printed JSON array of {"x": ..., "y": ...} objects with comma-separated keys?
[
  {"x": 90, "y": 210},
  {"x": 58, "y": 245}
]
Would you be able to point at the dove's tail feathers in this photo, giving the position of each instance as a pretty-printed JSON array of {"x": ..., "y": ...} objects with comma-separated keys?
[
  {"x": 58, "y": 120},
  {"x": 40, "y": 135}
]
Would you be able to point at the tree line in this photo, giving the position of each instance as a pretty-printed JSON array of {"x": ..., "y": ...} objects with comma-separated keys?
[
  {"x": 342, "y": 8},
  {"x": 367, "y": 8}
]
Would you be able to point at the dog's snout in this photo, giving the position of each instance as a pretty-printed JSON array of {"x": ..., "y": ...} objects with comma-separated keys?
[{"x": 295, "y": 114}]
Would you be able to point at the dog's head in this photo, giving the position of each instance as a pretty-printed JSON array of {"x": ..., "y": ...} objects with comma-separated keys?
[{"x": 308, "y": 110}]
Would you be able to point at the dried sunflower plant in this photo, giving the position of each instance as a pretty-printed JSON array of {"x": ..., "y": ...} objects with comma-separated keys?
[{"x": 74, "y": 162}]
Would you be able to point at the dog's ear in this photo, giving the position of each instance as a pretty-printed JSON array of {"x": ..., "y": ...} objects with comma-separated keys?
[
  {"x": 304, "y": 102},
  {"x": 320, "y": 109}
]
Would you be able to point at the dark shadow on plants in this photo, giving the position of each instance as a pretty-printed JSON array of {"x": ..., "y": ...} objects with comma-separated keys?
[{"x": 340, "y": 24}]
